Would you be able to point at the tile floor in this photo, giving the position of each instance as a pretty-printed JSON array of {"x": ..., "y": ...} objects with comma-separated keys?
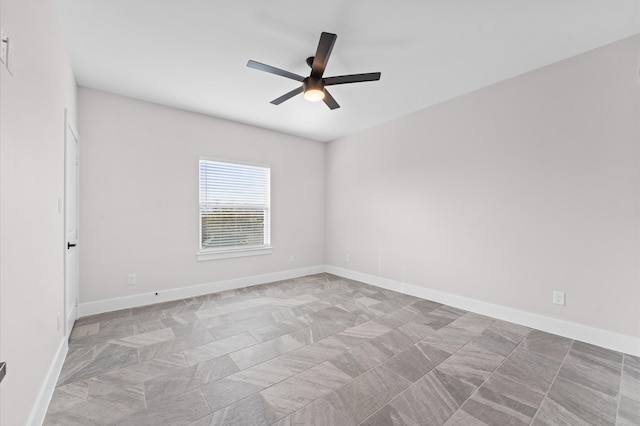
[{"x": 322, "y": 350}]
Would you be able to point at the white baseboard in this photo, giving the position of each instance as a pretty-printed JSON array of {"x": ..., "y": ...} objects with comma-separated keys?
[
  {"x": 41, "y": 405},
  {"x": 606, "y": 339},
  {"x": 133, "y": 301},
  {"x": 596, "y": 336}
]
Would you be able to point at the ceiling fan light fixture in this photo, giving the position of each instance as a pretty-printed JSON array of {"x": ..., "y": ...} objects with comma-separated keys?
[
  {"x": 314, "y": 95},
  {"x": 313, "y": 89}
]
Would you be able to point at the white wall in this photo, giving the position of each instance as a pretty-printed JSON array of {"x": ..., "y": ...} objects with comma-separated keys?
[
  {"x": 139, "y": 196},
  {"x": 32, "y": 104},
  {"x": 505, "y": 194}
]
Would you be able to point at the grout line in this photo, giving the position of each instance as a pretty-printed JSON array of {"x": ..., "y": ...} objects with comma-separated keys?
[
  {"x": 620, "y": 388},
  {"x": 552, "y": 382},
  {"x": 205, "y": 401}
]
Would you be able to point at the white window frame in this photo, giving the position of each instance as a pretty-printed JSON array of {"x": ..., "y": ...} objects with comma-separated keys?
[{"x": 225, "y": 252}]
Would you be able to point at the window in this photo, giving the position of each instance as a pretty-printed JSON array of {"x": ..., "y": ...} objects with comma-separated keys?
[{"x": 234, "y": 210}]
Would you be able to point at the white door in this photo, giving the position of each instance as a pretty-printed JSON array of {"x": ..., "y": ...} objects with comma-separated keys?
[{"x": 71, "y": 226}]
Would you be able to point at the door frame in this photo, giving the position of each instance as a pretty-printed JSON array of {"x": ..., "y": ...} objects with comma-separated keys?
[{"x": 70, "y": 319}]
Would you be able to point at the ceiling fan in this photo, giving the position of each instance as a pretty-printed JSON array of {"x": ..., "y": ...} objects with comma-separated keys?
[{"x": 314, "y": 85}]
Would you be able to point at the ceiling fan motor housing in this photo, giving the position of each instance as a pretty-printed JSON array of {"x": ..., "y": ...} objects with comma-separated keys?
[
  {"x": 313, "y": 89},
  {"x": 311, "y": 83}
]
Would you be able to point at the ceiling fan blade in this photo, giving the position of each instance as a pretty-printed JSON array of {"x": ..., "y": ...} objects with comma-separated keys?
[
  {"x": 328, "y": 99},
  {"x": 351, "y": 78},
  {"x": 325, "y": 45},
  {"x": 274, "y": 70},
  {"x": 286, "y": 96}
]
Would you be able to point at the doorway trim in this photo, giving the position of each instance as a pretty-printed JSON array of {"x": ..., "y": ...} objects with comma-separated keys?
[{"x": 70, "y": 307}]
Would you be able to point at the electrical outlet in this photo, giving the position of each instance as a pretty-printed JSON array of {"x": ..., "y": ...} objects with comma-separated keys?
[
  {"x": 558, "y": 298},
  {"x": 292, "y": 258},
  {"x": 347, "y": 257},
  {"x": 131, "y": 279}
]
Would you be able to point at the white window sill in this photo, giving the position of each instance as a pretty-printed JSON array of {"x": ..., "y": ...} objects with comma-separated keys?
[{"x": 213, "y": 255}]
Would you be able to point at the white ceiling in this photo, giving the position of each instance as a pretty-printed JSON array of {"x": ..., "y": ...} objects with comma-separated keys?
[{"x": 192, "y": 54}]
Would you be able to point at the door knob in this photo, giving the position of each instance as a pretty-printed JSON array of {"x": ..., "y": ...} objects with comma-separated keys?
[{"x": 69, "y": 245}]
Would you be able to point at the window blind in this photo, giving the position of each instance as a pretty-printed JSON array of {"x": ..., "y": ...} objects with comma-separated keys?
[{"x": 234, "y": 206}]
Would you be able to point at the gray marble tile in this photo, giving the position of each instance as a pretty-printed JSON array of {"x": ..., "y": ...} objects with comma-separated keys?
[
  {"x": 366, "y": 301},
  {"x": 390, "y": 416},
  {"x": 395, "y": 340},
  {"x": 501, "y": 401},
  {"x": 137, "y": 374},
  {"x": 184, "y": 319},
  {"x": 366, "y": 331},
  {"x": 415, "y": 362},
  {"x": 593, "y": 367},
  {"x": 66, "y": 396},
  {"x": 101, "y": 337},
  {"x": 472, "y": 323},
  {"x": 187, "y": 307},
  {"x": 84, "y": 330},
  {"x": 628, "y": 411},
  {"x": 461, "y": 418},
  {"x": 111, "y": 407},
  {"x": 325, "y": 411},
  {"x": 630, "y": 384},
  {"x": 238, "y": 327},
  {"x": 367, "y": 393},
  {"x": 357, "y": 360},
  {"x": 450, "y": 338},
  {"x": 148, "y": 326},
  {"x": 66, "y": 418},
  {"x": 569, "y": 403},
  {"x": 629, "y": 404},
  {"x": 265, "y": 374},
  {"x": 188, "y": 378},
  {"x": 549, "y": 345},
  {"x": 258, "y": 353},
  {"x": 254, "y": 411},
  {"x": 433, "y": 354},
  {"x": 148, "y": 338},
  {"x": 417, "y": 329},
  {"x": 425, "y": 306},
  {"x": 227, "y": 391},
  {"x": 179, "y": 344},
  {"x": 530, "y": 369},
  {"x": 471, "y": 365},
  {"x": 279, "y": 328},
  {"x": 188, "y": 328},
  {"x": 97, "y": 365},
  {"x": 157, "y": 307},
  {"x": 180, "y": 410},
  {"x": 430, "y": 401},
  {"x": 92, "y": 319},
  {"x": 295, "y": 392},
  {"x": 500, "y": 338},
  {"x": 198, "y": 354},
  {"x": 438, "y": 318},
  {"x": 310, "y": 355},
  {"x": 76, "y": 359}
]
